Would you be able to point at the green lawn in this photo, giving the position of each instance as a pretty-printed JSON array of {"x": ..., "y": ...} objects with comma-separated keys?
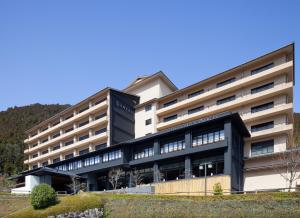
[{"x": 121, "y": 205}]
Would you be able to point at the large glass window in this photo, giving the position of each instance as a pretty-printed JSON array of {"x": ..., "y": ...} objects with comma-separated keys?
[
  {"x": 146, "y": 152},
  {"x": 172, "y": 146},
  {"x": 208, "y": 137},
  {"x": 263, "y": 147},
  {"x": 196, "y": 109},
  {"x": 83, "y": 137}
]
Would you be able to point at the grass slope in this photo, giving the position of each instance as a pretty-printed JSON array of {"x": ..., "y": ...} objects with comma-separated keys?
[{"x": 121, "y": 205}]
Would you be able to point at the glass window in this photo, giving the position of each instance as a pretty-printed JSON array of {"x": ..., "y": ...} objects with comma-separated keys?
[
  {"x": 228, "y": 81},
  {"x": 263, "y": 68},
  {"x": 262, "y": 126},
  {"x": 195, "y": 110},
  {"x": 148, "y": 122},
  {"x": 210, "y": 137},
  {"x": 205, "y": 139},
  {"x": 225, "y": 100},
  {"x": 170, "y": 103},
  {"x": 173, "y": 117},
  {"x": 222, "y": 135},
  {"x": 262, "y": 88},
  {"x": 191, "y": 95},
  {"x": 148, "y": 107},
  {"x": 216, "y": 136},
  {"x": 264, "y": 147},
  {"x": 262, "y": 107}
]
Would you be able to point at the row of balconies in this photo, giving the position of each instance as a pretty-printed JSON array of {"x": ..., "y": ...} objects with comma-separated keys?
[
  {"x": 64, "y": 149},
  {"x": 238, "y": 102},
  {"x": 71, "y": 134},
  {"x": 63, "y": 123},
  {"x": 228, "y": 88}
]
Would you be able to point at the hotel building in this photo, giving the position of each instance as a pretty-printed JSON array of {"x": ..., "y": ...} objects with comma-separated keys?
[{"x": 229, "y": 126}]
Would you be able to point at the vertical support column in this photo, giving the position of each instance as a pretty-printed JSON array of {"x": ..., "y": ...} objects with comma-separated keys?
[
  {"x": 156, "y": 172},
  {"x": 156, "y": 147},
  {"x": 130, "y": 179},
  {"x": 187, "y": 167},
  {"x": 188, "y": 139},
  {"x": 228, "y": 152}
]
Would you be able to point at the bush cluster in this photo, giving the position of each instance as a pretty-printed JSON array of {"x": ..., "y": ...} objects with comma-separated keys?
[{"x": 43, "y": 196}]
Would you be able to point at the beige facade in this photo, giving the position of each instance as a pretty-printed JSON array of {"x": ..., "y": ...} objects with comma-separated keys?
[{"x": 261, "y": 91}]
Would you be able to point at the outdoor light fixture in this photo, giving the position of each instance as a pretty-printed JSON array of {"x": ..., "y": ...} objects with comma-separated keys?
[
  {"x": 201, "y": 167},
  {"x": 209, "y": 166}
]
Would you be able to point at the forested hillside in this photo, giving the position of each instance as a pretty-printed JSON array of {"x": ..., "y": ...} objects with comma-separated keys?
[
  {"x": 13, "y": 124},
  {"x": 297, "y": 128}
]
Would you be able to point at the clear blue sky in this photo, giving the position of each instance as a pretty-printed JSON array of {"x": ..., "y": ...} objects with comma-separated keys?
[{"x": 59, "y": 51}]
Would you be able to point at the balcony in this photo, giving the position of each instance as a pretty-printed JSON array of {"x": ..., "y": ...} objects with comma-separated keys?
[
  {"x": 71, "y": 147},
  {"x": 278, "y": 129},
  {"x": 62, "y": 137},
  {"x": 238, "y": 84},
  {"x": 64, "y": 123},
  {"x": 276, "y": 110},
  {"x": 240, "y": 101}
]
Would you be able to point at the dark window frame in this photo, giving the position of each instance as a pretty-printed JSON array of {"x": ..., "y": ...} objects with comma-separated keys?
[
  {"x": 226, "y": 82},
  {"x": 196, "y": 109},
  {"x": 225, "y": 100},
  {"x": 148, "y": 122},
  {"x": 262, "y": 147},
  {"x": 262, "y": 107},
  {"x": 262, "y": 126},
  {"x": 193, "y": 94},
  {"x": 169, "y": 118},
  {"x": 262, "y": 68},
  {"x": 262, "y": 88},
  {"x": 148, "y": 107},
  {"x": 169, "y": 103}
]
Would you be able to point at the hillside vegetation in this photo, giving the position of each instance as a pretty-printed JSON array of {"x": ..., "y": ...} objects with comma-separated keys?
[
  {"x": 122, "y": 205},
  {"x": 13, "y": 124}
]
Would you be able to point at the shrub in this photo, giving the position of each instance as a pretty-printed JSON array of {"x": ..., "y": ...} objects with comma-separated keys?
[
  {"x": 218, "y": 189},
  {"x": 42, "y": 196}
]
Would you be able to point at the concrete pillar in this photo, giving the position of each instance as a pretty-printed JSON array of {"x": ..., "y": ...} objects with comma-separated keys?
[
  {"x": 61, "y": 119},
  {"x": 74, "y": 152},
  {"x": 61, "y": 131},
  {"x": 156, "y": 172},
  {"x": 75, "y": 139},
  {"x": 188, "y": 139},
  {"x": 91, "y": 147},
  {"x": 228, "y": 152},
  {"x": 61, "y": 144},
  {"x": 156, "y": 147},
  {"x": 187, "y": 167},
  {"x": 74, "y": 125},
  {"x": 90, "y": 118},
  {"x": 130, "y": 179},
  {"x": 74, "y": 112},
  {"x": 90, "y": 133}
]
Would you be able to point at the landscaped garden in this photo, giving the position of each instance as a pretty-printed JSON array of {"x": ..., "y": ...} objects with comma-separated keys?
[{"x": 125, "y": 205}]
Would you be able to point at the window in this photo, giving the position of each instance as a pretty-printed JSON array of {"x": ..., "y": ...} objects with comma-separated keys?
[
  {"x": 69, "y": 130},
  {"x": 100, "y": 116},
  {"x": 173, "y": 117},
  {"x": 45, "y": 151},
  {"x": 100, "y": 146},
  {"x": 148, "y": 122},
  {"x": 56, "y": 135},
  {"x": 228, "y": 81},
  {"x": 264, "y": 147},
  {"x": 262, "y": 88},
  {"x": 56, "y": 147},
  {"x": 113, "y": 155},
  {"x": 172, "y": 146},
  {"x": 34, "y": 166},
  {"x": 34, "y": 145},
  {"x": 148, "y": 107},
  {"x": 170, "y": 103},
  {"x": 45, "y": 163},
  {"x": 225, "y": 100},
  {"x": 34, "y": 155},
  {"x": 44, "y": 140},
  {"x": 191, "y": 95},
  {"x": 68, "y": 117},
  {"x": 83, "y": 123},
  {"x": 97, "y": 132},
  {"x": 56, "y": 160},
  {"x": 69, "y": 142},
  {"x": 195, "y": 110},
  {"x": 100, "y": 101},
  {"x": 262, "y": 126},
  {"x": 263, "y": 68},
  {"x": 83, "y": 137},
  {"x": 43, "y": 130},
  {"x": 262, "y": 107},
  {"x": 208, "y": 137},
  {"x": 83, "y": 109},
  {"x": 68, "y": 156},
  {"x": 84, "y": 151},
  {"x": 146, "y": 152},
  {"x": 54, "y": 124}
]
